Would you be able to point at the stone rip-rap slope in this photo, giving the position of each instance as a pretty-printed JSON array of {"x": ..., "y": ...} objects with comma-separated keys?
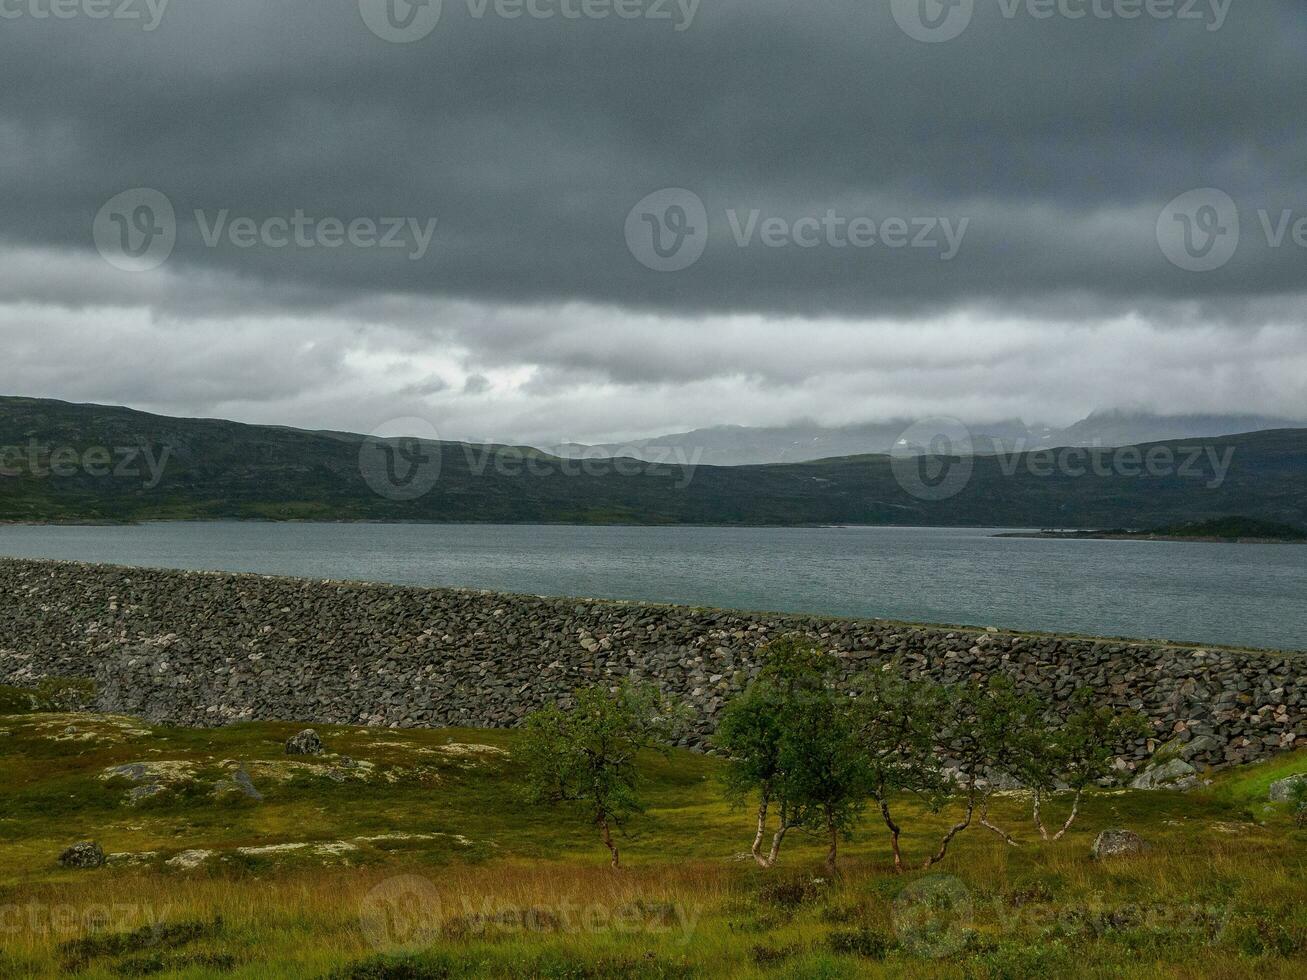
[{"x": 208, "y": 649}]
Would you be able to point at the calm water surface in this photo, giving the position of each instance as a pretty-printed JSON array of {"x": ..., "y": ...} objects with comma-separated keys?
[{"x": 1204, "y": 593}]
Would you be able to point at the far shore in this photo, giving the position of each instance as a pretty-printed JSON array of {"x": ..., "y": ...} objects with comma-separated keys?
[{"x": 1141, "y": 536}]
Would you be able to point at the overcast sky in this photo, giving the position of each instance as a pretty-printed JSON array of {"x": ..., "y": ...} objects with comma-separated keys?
[{"x": 985, "y": 212}]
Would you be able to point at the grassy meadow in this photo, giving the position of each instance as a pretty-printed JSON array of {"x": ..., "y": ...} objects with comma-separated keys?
[{"x": 410, "y": 854}]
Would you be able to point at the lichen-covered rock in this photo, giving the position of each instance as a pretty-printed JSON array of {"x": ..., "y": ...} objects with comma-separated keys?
[
  {"x": 84, "y": 854},
  {"x": 1283, "y": 790},
  {"x": 1117, "y": 843},
  {"x": 305, "y": 743},
  {"x": 239, "y": 784},
  {"x": 189, "y": 860},
  {"x": 1175, "y": 774}
]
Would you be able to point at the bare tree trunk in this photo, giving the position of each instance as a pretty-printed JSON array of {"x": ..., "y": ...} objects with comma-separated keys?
[
  {"x": 1038, "y": 815},
  {"x": 608, "y": 842},
  {"x": 894, "y": 834},
  {"x": 756, "y": 851},
  {"x": 956, "y": 829},
  {"x": 1075, "y": 810},
  {"x": 832, "y": 852},
  {"x": 984, "y": 822},
  {"x": 776, "y": 843}
]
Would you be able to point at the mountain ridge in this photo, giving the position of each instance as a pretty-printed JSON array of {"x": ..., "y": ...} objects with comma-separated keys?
[{"x": 216, "y": 469}]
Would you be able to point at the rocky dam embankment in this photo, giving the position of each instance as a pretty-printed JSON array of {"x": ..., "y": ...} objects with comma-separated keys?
[{"x": 210, "y": 649}]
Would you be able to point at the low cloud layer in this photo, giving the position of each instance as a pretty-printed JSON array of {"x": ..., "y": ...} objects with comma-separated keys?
[{"x": 987, "y": 226}]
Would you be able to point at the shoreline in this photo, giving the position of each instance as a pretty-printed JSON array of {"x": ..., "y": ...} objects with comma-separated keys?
[{"x": 1142, "y": 536}]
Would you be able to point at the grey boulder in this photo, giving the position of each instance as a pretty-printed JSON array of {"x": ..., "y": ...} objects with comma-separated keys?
[
  {"x": 84, "y": 854},
  {"x": 239, "y": 784},
  {"x": 1117, "y": 843},
  {"x": 305, "y": 743},
  {"x": 1175, "y": 775},
  {"x": 1282, "y": 791}
]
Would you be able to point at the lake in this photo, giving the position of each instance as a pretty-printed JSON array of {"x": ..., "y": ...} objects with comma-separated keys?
[{"x": 1247, "y": 594}]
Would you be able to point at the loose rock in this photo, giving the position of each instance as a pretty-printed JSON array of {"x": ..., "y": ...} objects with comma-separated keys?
[
  {"x": 305, "y": 743},
  {"x": 1117, "y": 843},
  {"x": 1282, "y": 791},
  {"x": 85, "y": 854}
]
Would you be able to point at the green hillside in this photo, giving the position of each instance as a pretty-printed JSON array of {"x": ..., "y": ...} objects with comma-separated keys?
[{"x": 211, "y": 469}]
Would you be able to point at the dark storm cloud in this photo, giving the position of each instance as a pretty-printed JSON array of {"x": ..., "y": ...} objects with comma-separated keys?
[{"x": 1058, "y": 141}]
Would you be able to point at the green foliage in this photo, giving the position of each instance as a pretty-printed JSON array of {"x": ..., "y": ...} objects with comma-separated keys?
[
  {"x": 1298, "y": 803},
  {"x": 790, "y": 738},
  {"x": 51, "y": 694},
  {"x": 895, "y": 722},
  {"x": 586, "y": 756},
  {"x": 1082, "y": 750},
  {"x": 869, "y": 943}
]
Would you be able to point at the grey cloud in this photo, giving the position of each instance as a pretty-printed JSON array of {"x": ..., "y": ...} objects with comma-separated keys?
[{"x": 530, "y": 141}]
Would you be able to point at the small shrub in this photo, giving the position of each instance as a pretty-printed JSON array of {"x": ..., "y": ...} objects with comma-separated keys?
[
  {"x": 1030, "y": 890},
  {"x": 154, "y": 963},
  {"x": 77, "y": 954},
  {"x": 1298, "y": 803},
  {"x": 1021, "y": 961},
  {"x": 866, "y": 942},
  {"x": 790, "y": 894},
  {"x": 1260, "y": 935},
  {"x": 388, "y": 968},
  {"x": 841, "y": 915},
  {"x": 771, "y": 955}
]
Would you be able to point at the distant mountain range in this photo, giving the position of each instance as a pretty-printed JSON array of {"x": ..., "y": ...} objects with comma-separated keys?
[
  {"x": 738, "y": 445},
  {"x": 79, "y": 463}
]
